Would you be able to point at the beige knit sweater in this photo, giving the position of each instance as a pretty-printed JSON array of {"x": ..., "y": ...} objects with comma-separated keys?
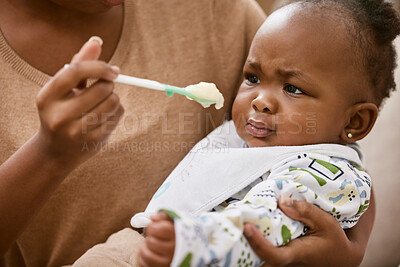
[{"x": 177, "y": 42}]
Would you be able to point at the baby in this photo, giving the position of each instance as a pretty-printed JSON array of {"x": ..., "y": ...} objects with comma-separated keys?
[{"x": 315, "y": 77}]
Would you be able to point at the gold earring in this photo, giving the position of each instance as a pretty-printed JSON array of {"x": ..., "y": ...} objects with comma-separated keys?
[{"x": 349, "y": 135}]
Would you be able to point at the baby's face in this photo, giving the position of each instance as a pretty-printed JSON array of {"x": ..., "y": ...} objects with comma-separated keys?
[{"x": 299, "y": 82}]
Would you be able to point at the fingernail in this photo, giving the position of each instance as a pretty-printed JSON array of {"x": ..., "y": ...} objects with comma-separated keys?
[
  {"x": 114, "y": 73},
  {"x": 96, "y": 39},
  {"x": 115, "y": 69},
  {"x": 248, "y": 231},
  {"x": 285, "y": 200}
]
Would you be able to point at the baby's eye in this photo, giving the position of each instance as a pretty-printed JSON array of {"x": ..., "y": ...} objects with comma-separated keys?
[
  {"x": 292, "y": 89},
  {"x": 251, "y": 79}
]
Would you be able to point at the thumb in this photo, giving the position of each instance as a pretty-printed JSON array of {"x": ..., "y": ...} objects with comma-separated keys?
[
  {"x": 91, "y": 50},
  {"x": 305, "y": 212},
  {"x": 271, "y": 254}
]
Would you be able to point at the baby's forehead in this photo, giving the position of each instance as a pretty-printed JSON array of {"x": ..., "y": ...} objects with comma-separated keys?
[
  {"x": 298, "y": 22},
  {"x": 310, "y": 39},
  {"x": 366, "y": 28},
  {"x": 319, "y": 27},
  {"x": 329, "y": 17}
]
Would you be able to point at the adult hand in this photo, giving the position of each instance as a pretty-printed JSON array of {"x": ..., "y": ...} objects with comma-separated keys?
[
  {"x": 70, "y": 118},
  {"x": 75, "y": 121},
  {"x": 325, "y": 244}
]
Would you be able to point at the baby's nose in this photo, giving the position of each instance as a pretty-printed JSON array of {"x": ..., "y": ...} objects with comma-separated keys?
[{"x": 264, "y": 103}]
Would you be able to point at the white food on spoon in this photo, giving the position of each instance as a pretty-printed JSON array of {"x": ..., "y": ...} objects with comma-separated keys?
[{"x": 207, "y": 91}]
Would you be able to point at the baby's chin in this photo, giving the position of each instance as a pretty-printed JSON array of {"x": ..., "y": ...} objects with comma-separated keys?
[
  {"x": 278, "y": 139},
  {"x": 260, "y": 142},
  {"x": 252, "y": 141}
]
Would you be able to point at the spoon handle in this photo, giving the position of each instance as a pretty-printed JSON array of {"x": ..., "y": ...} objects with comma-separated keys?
[{"x": 140, "y": 82}]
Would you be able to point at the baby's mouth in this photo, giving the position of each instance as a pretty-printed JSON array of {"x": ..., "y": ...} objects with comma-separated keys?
[{"x": 258, "y": 128}]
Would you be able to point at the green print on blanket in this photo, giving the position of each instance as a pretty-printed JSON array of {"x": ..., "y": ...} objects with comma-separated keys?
[
  {"x": 171, "y": 214},
  {"x": 187, "y": 260},
  {"x": 244, "y": 259},
  {"x": 362, "y": 208},
  {"x": 330, "y": 167},
  {"x": 336, "y": 214},
  {"x": 357, "y": 167},
  {"x": 320, "y": 180},
  {"x": 286, "y": 235}
]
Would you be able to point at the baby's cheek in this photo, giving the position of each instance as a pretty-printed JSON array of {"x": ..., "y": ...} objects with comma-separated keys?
[{"x": 294, "y": 134}]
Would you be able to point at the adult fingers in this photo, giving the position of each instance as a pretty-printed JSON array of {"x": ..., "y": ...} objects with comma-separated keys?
[
  {"x": 91, "y": 99},
  {"x": 315, "y": 218},
  {"x": 97, "y": 117},
  {"x": 91, "y": 50},
  {"x": 321, "y": 226},
  {"x": 101, "y": 113},
  {"x": 104, "y": 130},
  {"x": 68, "y": 78},
  {"x": 264, "y": 249}
]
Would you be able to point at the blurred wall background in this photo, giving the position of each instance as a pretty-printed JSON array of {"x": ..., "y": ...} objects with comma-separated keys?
[{"x": 382, "y": 156}]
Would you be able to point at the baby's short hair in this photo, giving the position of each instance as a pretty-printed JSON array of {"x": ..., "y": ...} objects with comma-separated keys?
[{"x": 373, "y": 26}]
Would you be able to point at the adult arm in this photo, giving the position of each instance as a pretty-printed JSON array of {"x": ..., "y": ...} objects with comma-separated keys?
[
  {"x": 326, "y": 243},
  {"x": 32, "y": 173}
]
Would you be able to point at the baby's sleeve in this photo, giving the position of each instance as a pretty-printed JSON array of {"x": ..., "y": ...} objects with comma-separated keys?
[{"x": 334, "y": 185}]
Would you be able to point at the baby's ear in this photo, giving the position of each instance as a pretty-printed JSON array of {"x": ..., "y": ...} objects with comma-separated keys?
[{"x": 361, "y": 119}]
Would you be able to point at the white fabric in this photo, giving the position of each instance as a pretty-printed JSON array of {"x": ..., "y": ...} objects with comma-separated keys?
[
  {"x": 215, "y": 238},
  {"x": 233, "y": 168}
]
